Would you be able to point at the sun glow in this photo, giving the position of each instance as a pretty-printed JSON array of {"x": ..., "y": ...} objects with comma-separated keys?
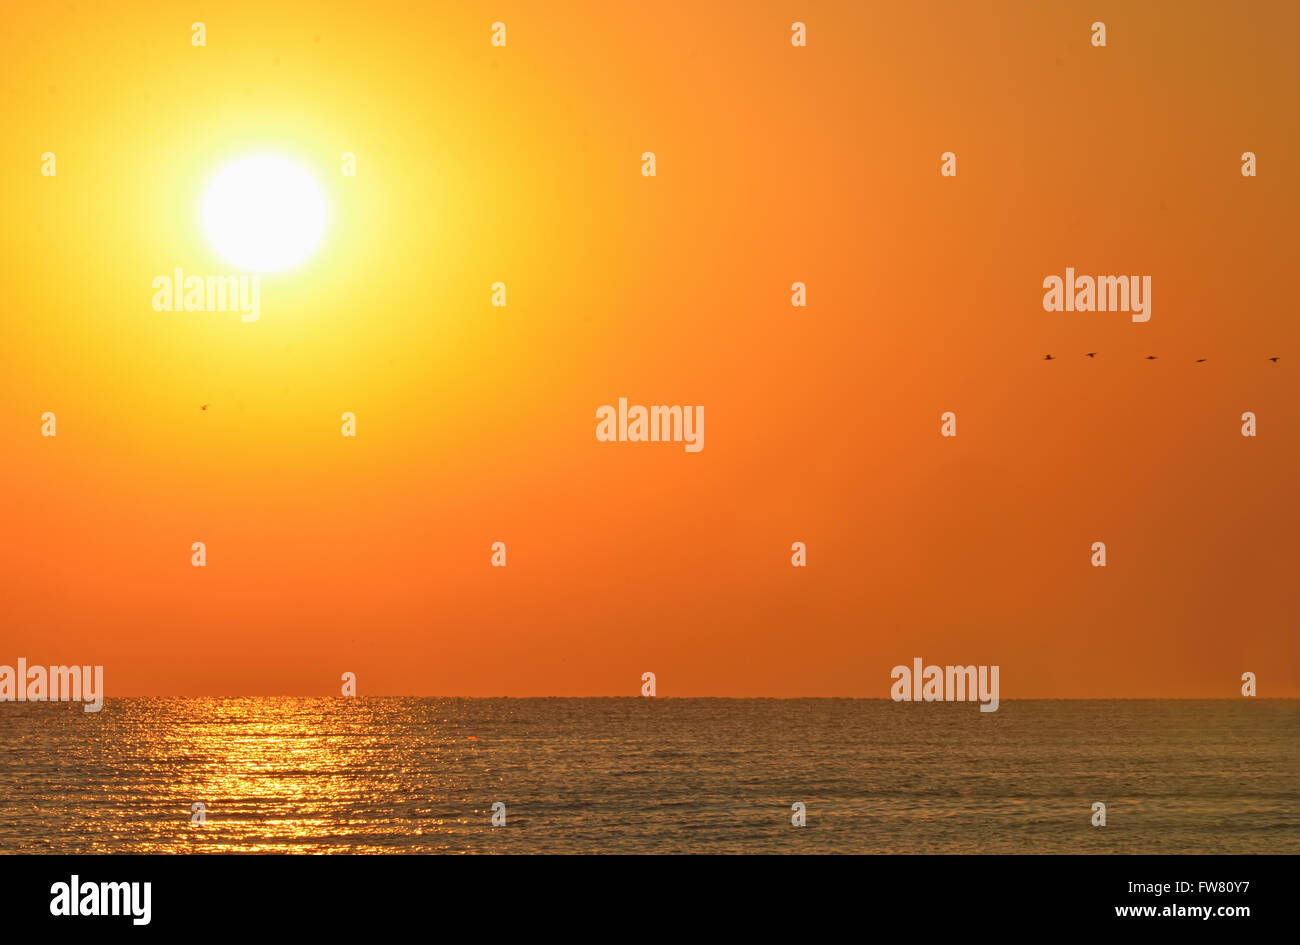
[{"x": 264, "y": 213}]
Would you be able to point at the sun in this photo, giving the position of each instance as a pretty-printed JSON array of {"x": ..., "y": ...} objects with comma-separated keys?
[{"x": 264, "y": 213}]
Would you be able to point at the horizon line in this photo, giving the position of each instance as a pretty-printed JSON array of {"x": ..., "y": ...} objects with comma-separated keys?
[{"x": 684, "y": 698}]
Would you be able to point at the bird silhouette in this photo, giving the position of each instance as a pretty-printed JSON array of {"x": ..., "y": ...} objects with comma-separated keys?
[
  {"x": 1092, "y": 354},
  {"x": 1200, "y": 360},
  {"x": 1151, "y": 357},
  {"x": 1274, "y": 360},
  {"x": 1049, "y": 357}
]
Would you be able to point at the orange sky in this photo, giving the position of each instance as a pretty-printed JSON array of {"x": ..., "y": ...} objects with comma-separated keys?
[{"x": 476, "y": 424}]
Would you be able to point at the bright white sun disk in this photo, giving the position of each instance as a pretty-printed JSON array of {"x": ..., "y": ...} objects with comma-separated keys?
[{"x": 264, "y": 213}]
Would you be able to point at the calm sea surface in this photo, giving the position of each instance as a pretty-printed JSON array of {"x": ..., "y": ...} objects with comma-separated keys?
[{"x": 641, "y": 775}]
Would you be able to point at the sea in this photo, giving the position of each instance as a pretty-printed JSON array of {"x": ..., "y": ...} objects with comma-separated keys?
[{"x": 640, "y": 775}]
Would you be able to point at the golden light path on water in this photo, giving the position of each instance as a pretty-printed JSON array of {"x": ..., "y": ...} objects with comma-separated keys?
[{"x": 642, "y": 775}]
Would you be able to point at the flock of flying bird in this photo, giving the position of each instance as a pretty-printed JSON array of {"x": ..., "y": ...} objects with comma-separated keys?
[
  {"x": 1046, "y": 357},
  {"x": 1149, "y": 357}
]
